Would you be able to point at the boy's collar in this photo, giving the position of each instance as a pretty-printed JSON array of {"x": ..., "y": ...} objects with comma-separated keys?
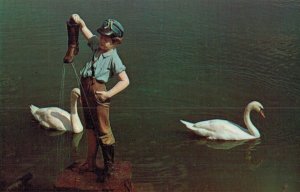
[{"x": 108, "y": 53}]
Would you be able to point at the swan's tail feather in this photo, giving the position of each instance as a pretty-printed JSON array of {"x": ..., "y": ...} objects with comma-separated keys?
[
  {"x": 188, "y": 124},
  {"x": 33, "y": 109}
]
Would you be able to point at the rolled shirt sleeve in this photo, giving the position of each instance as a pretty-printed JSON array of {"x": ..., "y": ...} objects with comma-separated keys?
[{"x": 117, "y": 65}]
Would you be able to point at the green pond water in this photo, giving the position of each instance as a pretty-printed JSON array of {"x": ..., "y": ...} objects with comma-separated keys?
[{"x": 193, "y": 60}]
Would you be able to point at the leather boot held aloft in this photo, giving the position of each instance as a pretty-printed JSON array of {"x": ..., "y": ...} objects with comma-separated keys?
[{"x": 73, "y": 48}]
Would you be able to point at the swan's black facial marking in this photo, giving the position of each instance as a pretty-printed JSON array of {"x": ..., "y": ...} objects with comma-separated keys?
[{"x": 77, "y": 94}]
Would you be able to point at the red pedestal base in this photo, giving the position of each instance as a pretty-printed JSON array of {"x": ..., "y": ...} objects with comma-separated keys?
[{"x": 72, "y": 180}]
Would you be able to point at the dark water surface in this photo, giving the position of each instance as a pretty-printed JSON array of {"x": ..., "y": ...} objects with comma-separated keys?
[{"x": 192, "y": 60}]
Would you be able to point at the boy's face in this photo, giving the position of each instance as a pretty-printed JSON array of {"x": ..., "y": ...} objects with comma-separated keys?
[{"x": 106, "y": 43}]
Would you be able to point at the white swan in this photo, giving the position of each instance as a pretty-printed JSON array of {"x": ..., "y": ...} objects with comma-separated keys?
[
  {"x": 225, "y": 130},
  {"x": 59, "y": 119}
]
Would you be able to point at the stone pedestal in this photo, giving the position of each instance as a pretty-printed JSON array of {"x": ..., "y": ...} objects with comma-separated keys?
[{"x": 72, "y": 180}]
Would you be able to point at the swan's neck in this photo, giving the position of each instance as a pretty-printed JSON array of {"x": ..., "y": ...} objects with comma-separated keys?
[
  {"x": 75, "y": 121},
  {"x": 74, "y": 106},
  {"x": 251, "y": 128}
]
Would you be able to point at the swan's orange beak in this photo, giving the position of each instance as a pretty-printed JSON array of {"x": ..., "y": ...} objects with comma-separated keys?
[{"x": 262, "y": 113}]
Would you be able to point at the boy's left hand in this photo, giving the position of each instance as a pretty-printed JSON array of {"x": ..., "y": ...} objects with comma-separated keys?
[{"x": 102, "y": 95}]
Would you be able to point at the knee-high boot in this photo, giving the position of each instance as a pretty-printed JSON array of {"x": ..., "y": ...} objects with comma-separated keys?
[
  {"x": 108, "y": 152},
  {"x": 73, "y": 48}
]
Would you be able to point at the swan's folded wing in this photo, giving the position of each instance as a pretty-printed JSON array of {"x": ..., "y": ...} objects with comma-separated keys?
[
  {"x": 219, "y": 125},
  {"x": 55, "y": 118},
  {"x": 59, "y": 121},
  {"x": 203, "y": 124},
  {"x": 218, "y": 129},
  {"x": 41, "y": 115}
]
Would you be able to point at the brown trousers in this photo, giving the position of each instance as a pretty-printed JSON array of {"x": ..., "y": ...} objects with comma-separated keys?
[{"x": 96, "y": 111}]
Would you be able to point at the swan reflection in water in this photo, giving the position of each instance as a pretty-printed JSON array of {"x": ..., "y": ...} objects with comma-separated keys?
[
  {"x": 76, "y": 138},
  {"x": 249, "y": 148},
  {"x": 75, "y": 145}
]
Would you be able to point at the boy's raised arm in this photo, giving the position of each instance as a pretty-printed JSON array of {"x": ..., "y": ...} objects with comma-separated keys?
[{"x": 85, "y": 31}]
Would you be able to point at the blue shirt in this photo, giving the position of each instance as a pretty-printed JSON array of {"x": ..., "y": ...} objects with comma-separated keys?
[{"x": 105, "y": 65}]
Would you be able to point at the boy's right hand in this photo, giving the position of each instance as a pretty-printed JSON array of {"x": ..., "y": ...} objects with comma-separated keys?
[
  {"x": 76, "y": 18},
  {"x": 85, "y": 31}
]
